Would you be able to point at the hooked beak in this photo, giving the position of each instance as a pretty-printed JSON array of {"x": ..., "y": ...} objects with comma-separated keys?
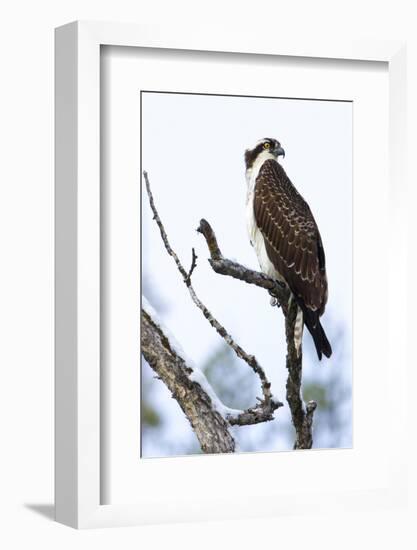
[{"x": 280, "y": 152}]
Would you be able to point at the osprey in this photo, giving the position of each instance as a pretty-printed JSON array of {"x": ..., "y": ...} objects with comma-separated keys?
[{"x": 286, "y": 238}]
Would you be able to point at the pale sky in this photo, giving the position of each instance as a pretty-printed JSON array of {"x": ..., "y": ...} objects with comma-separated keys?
[{"x": 193, "y": 150}]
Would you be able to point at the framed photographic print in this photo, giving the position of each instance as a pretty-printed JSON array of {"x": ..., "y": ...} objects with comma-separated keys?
[{"x": 220, "y": 208}]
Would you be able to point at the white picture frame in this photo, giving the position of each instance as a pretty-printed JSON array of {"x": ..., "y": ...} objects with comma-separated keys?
[{"x": 78, "y": 426}]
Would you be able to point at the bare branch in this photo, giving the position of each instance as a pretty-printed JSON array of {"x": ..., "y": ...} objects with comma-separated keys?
[
  {"x": 164, "y": 235},
  {"x": 211, "y": 429},
  {"x": 193, "y": 264},
  {"x": 224, "y": 266},
  {"x": 262, "y": 412},
  {"x": 302, "y": 417}
]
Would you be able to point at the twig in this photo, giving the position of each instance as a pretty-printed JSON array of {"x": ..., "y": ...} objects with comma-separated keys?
[
  {"x": 302, "y": 417},
  {"x": 193, "y": 264},
  {"x": 264, "y": 411}
]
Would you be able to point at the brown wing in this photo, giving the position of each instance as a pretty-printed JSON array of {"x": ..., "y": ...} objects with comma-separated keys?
[{"x": 292, "y": 239}]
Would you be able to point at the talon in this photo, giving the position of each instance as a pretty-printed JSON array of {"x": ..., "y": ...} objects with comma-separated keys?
[{"x": 274, "y": 300}]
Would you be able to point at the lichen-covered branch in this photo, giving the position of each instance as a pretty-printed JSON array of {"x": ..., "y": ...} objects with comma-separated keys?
[
  {"x": 301, "y": 414},
  {"x": 211, "y": 429},
  {"x": 264, "y": 410},
  {"x": 224, "y": 266}
]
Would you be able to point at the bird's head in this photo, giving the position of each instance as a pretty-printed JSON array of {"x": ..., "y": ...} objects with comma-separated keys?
[{"x": 269, "y": 147}]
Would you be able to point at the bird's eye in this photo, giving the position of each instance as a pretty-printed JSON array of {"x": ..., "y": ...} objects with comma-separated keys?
[{"x": 267, "y": 145}]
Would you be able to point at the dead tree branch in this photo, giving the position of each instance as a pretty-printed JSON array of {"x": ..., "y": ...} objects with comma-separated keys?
[
  {"x": 193, "y": 264},
  {"x": 223, "y": 266},
  {"x": 266, "y": 407},
  {"x": 302, "y": 416},
  {"x": 211, "y": 429}
]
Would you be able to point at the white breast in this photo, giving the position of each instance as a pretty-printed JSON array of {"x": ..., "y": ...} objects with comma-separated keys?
[{"x": 255, "y": 235}]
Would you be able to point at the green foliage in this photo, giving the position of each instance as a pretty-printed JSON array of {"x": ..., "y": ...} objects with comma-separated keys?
[
  {"x": 231, "y": 378},
  {"x": 314, "y": 391},
  {"x": 150, "y": 418}
]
